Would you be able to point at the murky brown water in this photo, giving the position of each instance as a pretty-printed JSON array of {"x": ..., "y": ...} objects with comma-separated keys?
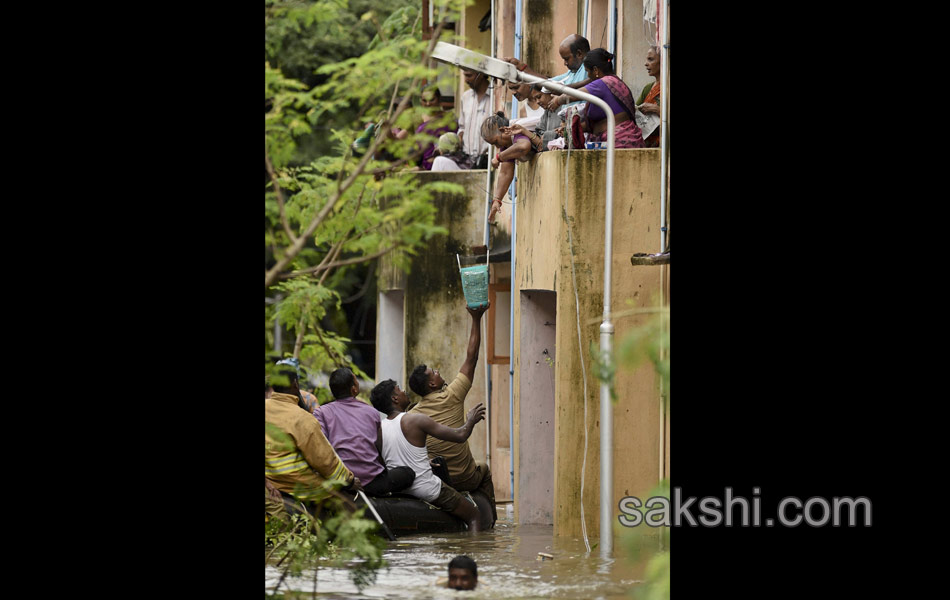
[{"x": 508, "y": 567}]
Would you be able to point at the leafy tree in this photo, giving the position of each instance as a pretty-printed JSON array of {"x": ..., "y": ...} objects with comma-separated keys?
[
  {"x": 328, "y": 213},
  {"x": 331, "y": 67}
]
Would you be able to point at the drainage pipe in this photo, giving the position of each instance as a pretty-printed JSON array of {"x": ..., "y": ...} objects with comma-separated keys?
[
  {"x": 612, "y": 19},
  {"x": 488, "y": 199},
  {"x": 584, "y": 31},
  {"x": 664, "y": 161},
  {"x": 664, "y": 119},
  {"x": 511, "y": 287}
]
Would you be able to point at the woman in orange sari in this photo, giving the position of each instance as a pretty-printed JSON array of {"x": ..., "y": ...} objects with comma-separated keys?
[{"x": 650, "y": 97}]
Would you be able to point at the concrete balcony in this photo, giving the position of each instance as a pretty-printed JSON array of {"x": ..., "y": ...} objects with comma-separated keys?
[{"x": 557, "y": 192}]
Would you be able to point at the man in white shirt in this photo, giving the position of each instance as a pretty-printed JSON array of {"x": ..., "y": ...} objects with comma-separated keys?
[{"x": 474, "y": 108}]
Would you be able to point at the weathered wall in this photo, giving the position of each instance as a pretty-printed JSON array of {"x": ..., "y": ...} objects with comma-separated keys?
[
  {"x": 479, "y": 41},
  {"x": 538, "y": 342},
  {"x": 634, "y": 39},
  {"x": 545, "y": 23},
  {"x": 543, "y": 261}
]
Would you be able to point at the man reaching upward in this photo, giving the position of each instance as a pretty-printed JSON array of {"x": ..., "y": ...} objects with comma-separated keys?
[{"x": 446, "y": 405}]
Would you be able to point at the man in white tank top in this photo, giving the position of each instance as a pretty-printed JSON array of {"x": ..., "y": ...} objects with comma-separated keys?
[{"x": 404, "y": 445}]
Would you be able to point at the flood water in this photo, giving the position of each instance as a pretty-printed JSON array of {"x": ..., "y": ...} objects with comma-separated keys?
[{"x": 508, "y": 567}]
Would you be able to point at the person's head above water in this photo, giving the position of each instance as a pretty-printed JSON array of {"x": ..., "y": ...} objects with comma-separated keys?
[{"x": 463, "y": 573}]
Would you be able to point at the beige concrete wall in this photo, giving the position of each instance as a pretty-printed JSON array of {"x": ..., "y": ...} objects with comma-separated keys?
[
  {"x": 633, "y": 39},
  {"x": 545, "y": 23},
  {"x": 537, "y": 410},
  {"x": 598, "y": 26},
  {"x": 543, "y": 261},
  {"x": 479, "y": 41}
]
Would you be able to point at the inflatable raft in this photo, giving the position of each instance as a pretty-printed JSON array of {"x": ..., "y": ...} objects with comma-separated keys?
[{"x": 406, "y": 515}]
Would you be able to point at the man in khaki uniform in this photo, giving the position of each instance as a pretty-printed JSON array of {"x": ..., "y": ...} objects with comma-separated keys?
[
  {"x": 300, "y": 460},
  {"x": 445, "y": 404}
]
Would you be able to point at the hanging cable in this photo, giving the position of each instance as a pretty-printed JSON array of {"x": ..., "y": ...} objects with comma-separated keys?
[{"x": 577, "y": 308}]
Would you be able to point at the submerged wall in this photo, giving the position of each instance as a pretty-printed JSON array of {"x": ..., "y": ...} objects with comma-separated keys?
[{"x": 547, "y": 206}]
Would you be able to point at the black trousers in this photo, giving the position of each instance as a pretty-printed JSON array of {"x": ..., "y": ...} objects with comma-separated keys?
[{"x": 390, "y": 480}]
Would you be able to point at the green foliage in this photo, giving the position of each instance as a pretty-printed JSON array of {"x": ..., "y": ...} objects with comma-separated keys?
[
  {"x": 642, "y": 542},
  {"x": 657, "y": 584},
  {"x": 280, "y": 440},
  {"x": 331, "y": 67},
  {"x": 650, "y": 342},
  {"x": 604, "y": 369},
  {"x": 300, "y": 542},
  {"x": 348, "y": 209}
]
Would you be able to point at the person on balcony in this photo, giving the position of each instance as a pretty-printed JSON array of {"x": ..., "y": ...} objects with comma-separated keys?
[
  {"x": 433, "y": 124},
  {"x": 649, "y": 102},
  {"x": 551, "y": 121},
  {"x": 353, "y": 429},
  {"x": 572, "y": 50},
  {"x": 449, "y": 154},
  {"x": 404, "y": 444},
  {"x": 528, "y": 105},
  {"x": 445, "y": 403},
  {"x": 612, "y": 90},
  {"x": 511, "y": 147},
  {"x": 473, "y": 109}
]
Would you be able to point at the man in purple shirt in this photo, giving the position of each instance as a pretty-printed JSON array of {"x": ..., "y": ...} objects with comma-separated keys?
[{"x": 353, "y": 429}]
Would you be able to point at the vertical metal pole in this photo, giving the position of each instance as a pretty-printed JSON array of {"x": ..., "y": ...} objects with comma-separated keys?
[
  {"x": 664, "y": 118},
  {"x": 484, "y": 322},
  {"x": 512, "y": 296},
  {"x": 612, "y": 20},
  {"x": 664, "y": 149},
  {"x": 606, "y": 335},
  {"x": 584, "y": 31}
]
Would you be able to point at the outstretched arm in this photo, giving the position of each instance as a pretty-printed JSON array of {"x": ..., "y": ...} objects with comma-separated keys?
[
  {"x": 506, "y": 172},
  {"x": 515, "y": 151},
  {"x": 448, "y": 434},
  {"x": 474, "y": 341},
  {"x": 523, "y": 67}
]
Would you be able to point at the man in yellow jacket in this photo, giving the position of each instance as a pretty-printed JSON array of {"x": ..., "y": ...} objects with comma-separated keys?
[{"x": 298, "y": 459}]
